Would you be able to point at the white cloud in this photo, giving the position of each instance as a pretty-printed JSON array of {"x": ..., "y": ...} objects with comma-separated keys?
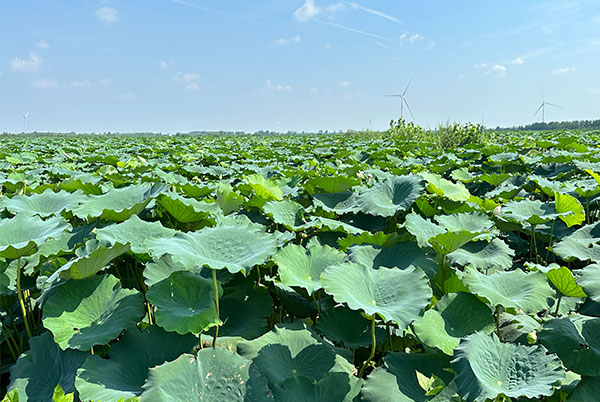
[
  {"x": 165, "y": 64},
  {"x": 307, "y": 11},
  {"x": 46, "y": 83},
  {"x": 42, "y": 44},
  {"x": 108, "y": 15},
  {"x": 277, "y": 87},
  {"x": 287, "y": 41},
  {"x": 314, "y": 90},
  {"x": 32, "y": 63},
  {"x": 332, "y": 8},
  {"x": 535, "y": 53},
  {"x": 105, "y": 82},
  {"x": 129, "y": 95},
  {"x": 496, "y": 70},
  {"x": 518, "y": 60},
  {"x": 344, "y": 84},
  {"x": 81, "y": 84},
  {"x": 412, "y": 38},
  {"x": 563, "y": 70},
  {"x": 189, "y": 80},
  {"x": 357, "y": 6}
]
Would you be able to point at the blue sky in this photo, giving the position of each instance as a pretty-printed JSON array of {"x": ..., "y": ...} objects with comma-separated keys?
[{"x": 182, "y": 65}]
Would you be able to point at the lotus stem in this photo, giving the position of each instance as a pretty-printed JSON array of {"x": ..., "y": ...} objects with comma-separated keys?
[
  {"x": 12, "y": 352},
  {"x": 558, "y": 305},
  {"x": 373, "y": 345},
  {"x": 389, "y": 331},
  {"x": 20, "y": 297},
  {"x": 498, "y": 323},
  {"x": 551, "y": 241},
  {"x": 216, "y": 290},
  {"x": 535, "y": 249}
]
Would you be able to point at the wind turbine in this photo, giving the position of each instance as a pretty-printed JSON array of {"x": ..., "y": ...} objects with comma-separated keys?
[
  {"x": 543, "y": 107},
  {"x": 403, "y": 100},
  {"x": 25, "y": 116}
]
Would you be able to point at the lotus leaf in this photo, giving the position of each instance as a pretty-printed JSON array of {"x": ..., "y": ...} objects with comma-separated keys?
[
  {"x": 288, "y": 213},
  {"x": 583, "y": 244},
  {"x": 20, "y": 235},
  {"x": 340, "y": 203},
  {"x": 186, "y": 210},
  {"x": 400, "y": 255},
  {"x": 90, "y": 263},
  {"x": 590, "y": 281},
  {"x": 134, "y": 231},
  {"x": 567, "y": 204},
  {"x": 335, "y": 387},
  {"x": 45, "y": 204},
  {"x": 445, "y": 188},
  {"x": 391, "y": 195},
  {"x": 483, "y": 255}
]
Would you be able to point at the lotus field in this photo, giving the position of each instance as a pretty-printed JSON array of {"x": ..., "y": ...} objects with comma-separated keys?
[{"x": 300, "y": 268}]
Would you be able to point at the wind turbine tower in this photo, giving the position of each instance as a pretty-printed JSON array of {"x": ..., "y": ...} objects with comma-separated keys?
[
  {"x": 25, "y": 116},
  {"x": 543, "y": 107},
  {"x": 403, "y": 100}
]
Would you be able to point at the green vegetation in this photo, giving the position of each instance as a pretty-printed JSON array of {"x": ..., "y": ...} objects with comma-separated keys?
[{"x": 452, "y": 264}]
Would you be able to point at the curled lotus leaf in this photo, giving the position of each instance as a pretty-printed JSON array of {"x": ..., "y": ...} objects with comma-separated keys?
[
  {"x": 583, "y": 244},
  {"x": 45, "y": 204},
  {"x": 483, "y": 255},
  {"x": 20, "y": 235},
  {"x": 590, "y": 281},
  {"x": 288, "y": 213},
  {"x": 390, "y": 196}
]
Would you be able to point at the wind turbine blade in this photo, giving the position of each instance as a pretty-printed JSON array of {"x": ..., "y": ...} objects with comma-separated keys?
[
  {"x": 408, "y": 107},
  {"x": 409, "y": 82},
  {"x": 539, "y": 108},
  {"x": 552, "y": 104}
]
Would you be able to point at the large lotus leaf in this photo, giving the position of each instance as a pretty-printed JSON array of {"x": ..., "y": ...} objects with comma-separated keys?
[
  {"x": 422, "y": 229},
  {"x": 533, "y": 212},
  {"x": 135, "y": 232},
  {"x": 397, "y": 380},
  {"x": 340, "y": 324},
  {"x": 215, "y": 374},
  {"x": 397, "y": 295},
  {"x": 565, "y": 203},
  {"x": 39, "y": 370},
  {"x": 96, "y": 257},
  {"x": 264, "y": 188},
  {"x": 399, "y": 255},
  {"x": 184, "y": 303},
  {"x": 324, "y": 224},
  {"x": 577, "y": 344},
  {"x": 288, "y": 213},
  {"x": 186, "y": 210},
  {"x": 337, "y": 184},
  {"x": 303, "y": 268},
  {"x": 445, "y": 188},
  {"x": 564, "y": 281},
  {"x": 483, "y": 255},
  {"x": 227, "y": 199},
  {"x": 590, "y": 281},
  {"x": 63, "y": 244},
  {"x": 92, "y": 311},
  {"x": 456, "y": 316},
  {"x": 516, "y": 328},
  {"x": 391, "y": 195},
  {"x": 447, "y": 242},
  {"x": 340, "y": 203},
  {"x": 486, "y": 368},
  {"x": 525, "y": 291},
  {"x": 250, "y": 321},
  {"x": 20, "y": 235},
  {"x": 124, "y": 373},
  {"x": 335, "y": 387},
  {"x": 583, "y": 244},
  {"x": 237, "y": 247},
  {"x": 164, "y": 266},
  {"x": 587, "y": 390},
  {"x": 44, "y": 204},
  {"x": 118, "y": 204},
  {"x": 469, "y": 221}
]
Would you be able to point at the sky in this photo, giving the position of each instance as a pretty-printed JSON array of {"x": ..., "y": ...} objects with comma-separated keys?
[{"x": 304, "y": 65}]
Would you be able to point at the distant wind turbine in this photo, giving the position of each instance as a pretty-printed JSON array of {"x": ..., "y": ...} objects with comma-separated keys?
[
  {"x": 403, "y": 100},
  {"x": 25, "y": 116},
  {"x": 543, "y": 107}
]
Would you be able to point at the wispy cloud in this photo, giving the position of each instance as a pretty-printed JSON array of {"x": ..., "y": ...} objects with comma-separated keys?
[
  {"x": 410, "y": 38},
  {"x": 42, "y": 44},
  {"x": 314, "y": 90},
  {"x": 46, "y": 83},
  {"x": 530, "y": 55},
  {"x": 108, "y": 15},
  {"x": 307, "y": 11},
  {"x": 277, "y": 87},
  {"x": 518, "y": 60},
  {"x": 81, "y": 84},
  {"x": 129, "y": 95},
  {"x": 563, "y": 70},
  {"x": 30, "y": 64},
  {"x": 165, "y": 64},
  {"x": 358, "y": 31},
  {"x": 287, "y": 41},
  {"x": 214, "y": 11},
  {"x": 189, "y": 80},
  {"x": 357, "y": 6},
  {"x": 344, "y": 84},
  {"x": 496, "y": 70},
  {"x": 104, "y": 82}
]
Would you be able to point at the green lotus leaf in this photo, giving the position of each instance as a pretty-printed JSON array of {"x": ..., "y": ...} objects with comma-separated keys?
[
  {"x": 288, "y": 213},
  {"x": 567, "y": 204},
  {"x": 397, "y": 380},
  {"x": 399, "y": 255},
  {"x": 590, "y": 281},
  {"x": 517, "y": 289},
  {"x": 595, "y": 175},
  {"x": 264, "y": 188},
  {"x": 586, "y": 390},
  {"x": 445, "y": 188},
  {"x": 335, "y": 387},
  {"x": 388, "y": 197},
  {"x": 124, "y": 373},
  {"x": 533, "y": 212},
  {"x": 564, "y": 281},
  {"x": 237, "y": 247},
  {"x": 44, "y": 367},
  {"x": 228, "y": 199},
  {"x": 323, "y": 223},
  {"x": 64, "y": 244},
  {"x": 583, "y": 244},
  {"x": 340, "y": 324},
  {"x": 340, "y": 203},
  {"x": 456, "y": 316},
  {"x": 483, "y": 255},
  {"x": 118, "y": 204},
  {"x": 249, "y": 322},
  {"x": 20, "y": 235},
  {"x": 93, "y": 258},
  {"x": 577, "y": 344},
  {"x": 45, "y": 204},
  {"x": 86, "y": 182},
  {"x": 184, "y": 303},
  {"x": 215, "y": 374},
  {"x": 303, "y": 268},
  {"x": 377, "y": 239},
  {"x": 91, "y": 311},
  {"x": 447, "y": 242},
  {"x": 486, "y": 368},
  {"x": 397, "y": 295},
  {"x": 517, "y": 328},
  {"x": 422, "y": 229},
  {"x": 186, "y": 210},
  {"x": 338, "y": 184},
  {"x": 134, "y": 231},
  {"x": 469, "y": 221}
]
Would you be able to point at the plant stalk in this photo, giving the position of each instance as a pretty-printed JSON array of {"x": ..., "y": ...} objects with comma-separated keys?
[
  {"x": 498, "y": 323},
  {"x": 20, "y": 297},
  {"x": 373, "y": 346},
  {"x": 558, "y": 305},
  {"x": 216, "y": 290}
]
